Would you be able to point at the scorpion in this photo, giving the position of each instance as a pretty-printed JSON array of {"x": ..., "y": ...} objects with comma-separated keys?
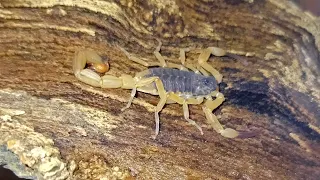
[{"x": 184, "y": 84}]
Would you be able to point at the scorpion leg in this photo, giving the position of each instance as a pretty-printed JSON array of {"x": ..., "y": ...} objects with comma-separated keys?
[
  {"x": 203, "y": 71},
  {"x": 161, "y": 63},
  {"x": 160, "y": 105},
  {"x": 159, "y": 56},
  {"x": 138, "y": 60},
  {"x": 208, "y": 107},
  {"x": 186, "y": 117},
  {"x": 133, "y": 93},
  {"x": 161, "y": 60},
  {"x": 204, "y": 57},
  {"x": 183, "y": 54},
  {"x": 140, "y": 83},
  {"x": 184, "y": 102},
  {"x": 163, "y": 98},
  {"x": 189, "y": 66},
  {"x": 182, "y": 58}
]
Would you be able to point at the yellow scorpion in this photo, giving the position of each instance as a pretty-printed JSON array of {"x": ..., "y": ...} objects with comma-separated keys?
[{"x": 183, "y": 84}]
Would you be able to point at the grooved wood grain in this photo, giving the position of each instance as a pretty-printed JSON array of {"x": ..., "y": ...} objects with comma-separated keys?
[{"x": 272, "y": 88}]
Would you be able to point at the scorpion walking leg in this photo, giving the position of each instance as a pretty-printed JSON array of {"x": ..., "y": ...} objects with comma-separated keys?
[
  {"x": 208, "y": 107},
  {"x": 161, "y": 63},
  {"x": 162, "y": 94},
  {"x": 204, "y": 57},
  {"x": 138, "y": 60},
  {"x": 185, "y": 108},
  {"x": 159, "y": 56},
  {"x": 170, "y": 65},
  {"x": 182, "y": 58},
  {"x": 163, "y": 98},
  {"x": 183, "y": 55},
  {"x": 186, "y": 117},
  {"x": 133, "y": 93},
  {"x": 140, "y": 83},
  {"x": 189, "y": 66}
]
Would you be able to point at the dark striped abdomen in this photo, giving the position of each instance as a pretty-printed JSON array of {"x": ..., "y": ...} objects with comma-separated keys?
[{"x": 175, "y": 80}]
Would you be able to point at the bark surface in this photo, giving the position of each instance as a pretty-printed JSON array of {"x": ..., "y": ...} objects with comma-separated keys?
[{"x": 60, "y": 127}]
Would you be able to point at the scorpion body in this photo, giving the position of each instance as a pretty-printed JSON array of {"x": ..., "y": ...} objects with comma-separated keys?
[
  {"x": 186, "y": 83},
  {"x": 183, "y": 84}
]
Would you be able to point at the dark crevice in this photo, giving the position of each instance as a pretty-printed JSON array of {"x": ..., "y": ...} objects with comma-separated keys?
[
  {"x": 7, "y": 174},
  {"x": 257, "y": 97}
]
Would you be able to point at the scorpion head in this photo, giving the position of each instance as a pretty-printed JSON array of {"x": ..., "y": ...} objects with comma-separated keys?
[{"x": 204, "y": 86}]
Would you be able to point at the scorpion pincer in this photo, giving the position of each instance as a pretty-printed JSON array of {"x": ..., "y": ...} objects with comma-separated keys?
[{"x": 183, "y": 84}]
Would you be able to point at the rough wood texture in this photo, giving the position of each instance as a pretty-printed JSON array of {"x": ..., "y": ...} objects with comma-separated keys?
[{"x": 61, "y": 127}]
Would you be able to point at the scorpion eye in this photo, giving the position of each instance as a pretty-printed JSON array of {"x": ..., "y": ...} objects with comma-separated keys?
[{"x": 206, "y": 81}]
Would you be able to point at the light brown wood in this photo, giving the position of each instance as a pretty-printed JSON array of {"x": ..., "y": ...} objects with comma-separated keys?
[{"x": 61, "y": 127}]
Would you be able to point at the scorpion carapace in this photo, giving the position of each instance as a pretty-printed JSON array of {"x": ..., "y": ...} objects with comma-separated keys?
[
  {"x": 186, "y": 83},
  {"x": 183, "y": 84}
]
